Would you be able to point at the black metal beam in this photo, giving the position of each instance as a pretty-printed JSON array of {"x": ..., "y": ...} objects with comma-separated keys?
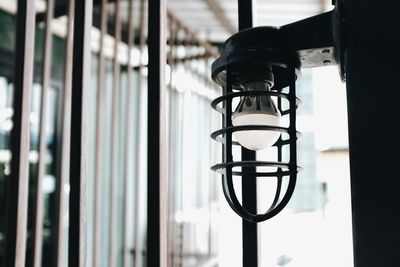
[
  {"x": 373, "y": 93},
  {"x": 78, "y": 152},
  {"x": 249, "y": 182}
]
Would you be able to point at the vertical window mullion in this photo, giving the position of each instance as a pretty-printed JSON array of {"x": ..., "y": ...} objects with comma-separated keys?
[
  {"x": 128, "y": 134},
  {"x": 39, "y": 204},
  {"x": 114, "y": 138},
  {"x": 139, "y": 206},
  {"x": 97, "y": 233}
]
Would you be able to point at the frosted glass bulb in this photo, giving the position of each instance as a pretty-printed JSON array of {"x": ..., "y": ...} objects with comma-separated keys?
[
  {"x": 256, "y": 110},
  {"x": 256, "y": 140}
]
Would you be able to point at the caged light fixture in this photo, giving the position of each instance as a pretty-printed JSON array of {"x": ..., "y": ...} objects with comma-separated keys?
[{"x": 256, "y": 65}]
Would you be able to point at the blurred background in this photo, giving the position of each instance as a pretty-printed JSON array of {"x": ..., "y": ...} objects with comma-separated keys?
[{"x": 314, "y": 231}]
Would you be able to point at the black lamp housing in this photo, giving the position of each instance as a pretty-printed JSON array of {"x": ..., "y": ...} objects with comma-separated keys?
[{"x": 258, "y": 54}]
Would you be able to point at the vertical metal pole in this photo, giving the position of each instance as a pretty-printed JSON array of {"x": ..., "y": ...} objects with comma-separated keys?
[
  {"x": 97, "y": 231},
  {"x": 139, "y": 205},
  {"x": 38, "y": 214},
  {"x": 172, "y": 180},
  {"x": 373, "y": 93},
  {"x": 128, "y": 132},
  {"x": 157, "y": 179},
  {"x": 64, "y": 153},
  {"x": 249, "y": 182},
  {"x": 114, "y": 139},
  {"x": 78, "y": 156},
  {"x": 18, "y": 182}
]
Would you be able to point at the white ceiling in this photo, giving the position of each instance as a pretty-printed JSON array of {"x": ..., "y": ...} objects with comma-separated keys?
[{"x": 197, "y": 14}]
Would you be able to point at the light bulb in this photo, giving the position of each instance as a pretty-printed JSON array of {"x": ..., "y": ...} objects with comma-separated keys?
[{"x": 256, "y": 110}]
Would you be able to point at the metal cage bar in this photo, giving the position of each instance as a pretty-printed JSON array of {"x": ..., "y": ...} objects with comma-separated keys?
[{"x": 18, "y": 181}]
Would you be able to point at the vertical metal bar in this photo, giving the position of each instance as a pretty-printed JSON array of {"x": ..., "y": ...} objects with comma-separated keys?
[
  {"x": 249, "y": 182},
  {"x": 64, "y": 153},
  {"x": 227, "y": 122},
  {"x": 114, "y": 139},
  {"x": 97, "y": 231},
  {"x": 157, "y": 179},
  {"x": 128, "y": 132},
  {"x": 139, "y": 205},
  {"x": 279, "y": 159},
  {"x": 38, "y": 214},
  {"x": 245, "y": 9},
  {"x": 172, "y": 180},
  {"x": 18, "y": 182},
  {"x": 78, "y": 155}
]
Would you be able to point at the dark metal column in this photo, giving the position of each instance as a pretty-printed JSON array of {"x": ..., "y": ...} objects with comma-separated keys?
[
  {"x": 249, "y": 182},
  {"x": 373, "y": 94},
  {"x": 18, "y": 181},
  {"x": 157, "y": 179},
  {"x": 78, "y": 156}
]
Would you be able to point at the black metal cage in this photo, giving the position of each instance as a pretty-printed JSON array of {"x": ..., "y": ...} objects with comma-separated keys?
[{"x": 226, "y": 72}]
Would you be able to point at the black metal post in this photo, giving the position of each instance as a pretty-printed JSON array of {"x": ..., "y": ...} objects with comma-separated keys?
[
  {"x": 249, "y": 182},
  {"x": 78, "y": 152},
  {"x": 156, "y": 180},
  {"x": 373, "y": 93}
]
